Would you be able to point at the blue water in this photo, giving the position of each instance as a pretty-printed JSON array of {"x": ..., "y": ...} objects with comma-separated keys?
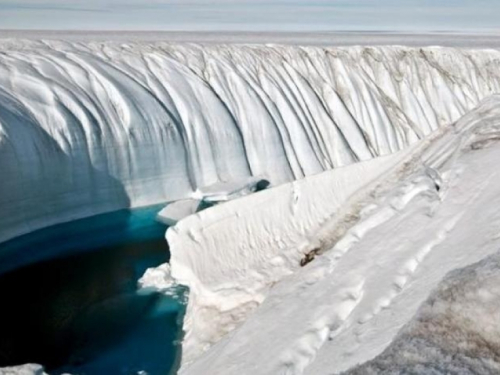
[{"x": 70, "y": 300}]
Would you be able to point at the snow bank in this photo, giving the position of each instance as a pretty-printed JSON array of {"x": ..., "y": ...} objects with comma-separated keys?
[
  {"x": 371, "y": 258},
  {"x": 91, "y": 127}
]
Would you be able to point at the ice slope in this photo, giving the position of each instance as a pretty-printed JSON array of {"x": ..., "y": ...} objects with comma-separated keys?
[
  {"x": 455, "y": 331},
  {"x": 230, "y": 256},
  {"x": 87, "y": 127},
  {"x": 371, "y": 248}
]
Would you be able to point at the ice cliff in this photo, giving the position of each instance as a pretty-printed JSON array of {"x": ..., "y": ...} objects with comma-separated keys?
[{"x": 90, "y": 127}]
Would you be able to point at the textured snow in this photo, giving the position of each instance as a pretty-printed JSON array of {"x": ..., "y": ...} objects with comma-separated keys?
[
  {"x": 456, "y": 331},
  {"x": 88, "y": 127},
  {"x": 372, "y": 249},
  {"x": 157, "y": 278},
  {"x": 29, "y": 369}
]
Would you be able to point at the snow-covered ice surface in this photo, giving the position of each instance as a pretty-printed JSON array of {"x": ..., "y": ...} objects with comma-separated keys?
[
  {"x": 88, "y": 127},
  {"x": 222, "y": 191},
  {"x": 158, "y": 278},
  {"x": 207, "y": 196},
  {"x": 29, "y": 369},
  {"x": 175, "y": 211},
  {"x": 385, "y": 245},
  {"x": 328, "y": 39},
  {"x": 456, "y": 331}
]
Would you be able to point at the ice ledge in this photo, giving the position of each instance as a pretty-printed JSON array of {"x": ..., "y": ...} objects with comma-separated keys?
[{"x": 230, "y": 255}]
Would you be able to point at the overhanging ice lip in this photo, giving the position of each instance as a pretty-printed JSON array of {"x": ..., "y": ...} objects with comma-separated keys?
[{"x": 209, "y": 196}]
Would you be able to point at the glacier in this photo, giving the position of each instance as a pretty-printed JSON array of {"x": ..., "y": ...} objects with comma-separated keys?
[
  {"x": 361, "y": 145},
  {"x": 88, "y": 127},
  {"x": 380, "y": 246}
]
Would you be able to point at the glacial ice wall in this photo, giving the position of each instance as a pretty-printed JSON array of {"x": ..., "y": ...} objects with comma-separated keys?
[{"x": 92, "y": 127}]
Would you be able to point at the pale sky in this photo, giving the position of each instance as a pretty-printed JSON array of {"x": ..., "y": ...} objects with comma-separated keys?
[{"x": 252, "y": 15}]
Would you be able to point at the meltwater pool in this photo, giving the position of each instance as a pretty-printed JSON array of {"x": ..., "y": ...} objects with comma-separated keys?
[{"x": 70, "y": 299}]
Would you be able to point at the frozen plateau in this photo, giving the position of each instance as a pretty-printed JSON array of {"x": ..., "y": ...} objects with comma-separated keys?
[{"x": 376, "y": 247}]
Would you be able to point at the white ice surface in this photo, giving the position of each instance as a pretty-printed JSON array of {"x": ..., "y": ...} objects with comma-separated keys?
[
  {"x": 212, "y": 194},
  {"x": 158, "y": 278},
  {"x": 88, "y": 127},
  {"x": 381, "y": 253},
  {"x": 29, "y": 369},
  {"x": 225, "y": 191},
  {"x": 175, "y": 211},
  {"x": 302, "y": 38}
]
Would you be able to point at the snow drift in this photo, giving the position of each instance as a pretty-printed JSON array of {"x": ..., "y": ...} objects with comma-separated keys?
[
  {"x": 91, "y": 127},
  {"x": 324, "y": 280}
]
